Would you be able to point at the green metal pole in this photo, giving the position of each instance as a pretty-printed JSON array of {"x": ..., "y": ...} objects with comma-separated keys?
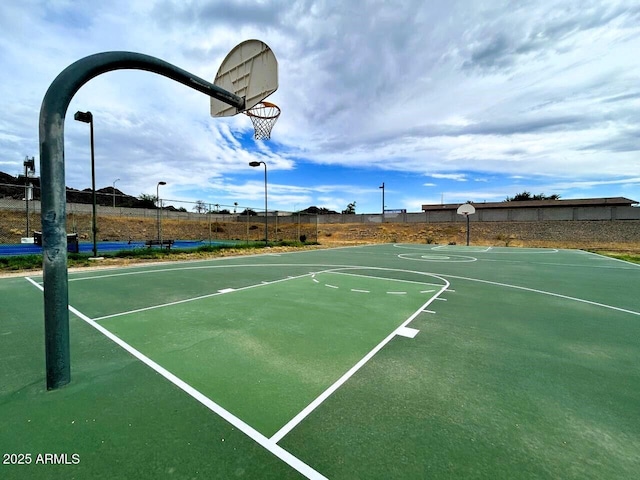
[
  {"x": 266, "y": 218},
  {"x": 52, "y": 174}
]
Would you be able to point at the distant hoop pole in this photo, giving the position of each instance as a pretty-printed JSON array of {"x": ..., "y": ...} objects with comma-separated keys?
[
  {"x": 468, "y": 231},
  {"x": 52, "y": 179}
]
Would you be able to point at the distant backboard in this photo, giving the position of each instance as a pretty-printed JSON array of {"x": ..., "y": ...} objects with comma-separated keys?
[
  {"x": 466, "y": 209},
  {"x": 250, "y": 71}
]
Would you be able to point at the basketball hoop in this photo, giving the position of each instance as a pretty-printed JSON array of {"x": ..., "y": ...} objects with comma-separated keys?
[{"x": 263, "y": 116}]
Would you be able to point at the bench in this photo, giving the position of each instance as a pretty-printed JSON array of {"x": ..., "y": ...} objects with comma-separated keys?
[
  {"x": 73, "y": 244},
  {"x": 160, "y": 243}
]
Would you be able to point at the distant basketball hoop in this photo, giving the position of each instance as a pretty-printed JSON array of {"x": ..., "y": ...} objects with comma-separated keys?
[
  {"x": 466, "y": 209},
  {"x": 264, "y": 116}
]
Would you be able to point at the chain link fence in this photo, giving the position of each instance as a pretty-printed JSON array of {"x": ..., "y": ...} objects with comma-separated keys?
[
  {"x": 118, "y": 220},
  {"x": 20, "y": 211}
]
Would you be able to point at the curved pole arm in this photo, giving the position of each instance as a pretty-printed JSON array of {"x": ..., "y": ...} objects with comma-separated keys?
[{"x": 52, "y": 174}]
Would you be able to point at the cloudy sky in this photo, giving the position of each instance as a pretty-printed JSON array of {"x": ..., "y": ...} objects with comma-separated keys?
[{"x": 440, "y": 100}]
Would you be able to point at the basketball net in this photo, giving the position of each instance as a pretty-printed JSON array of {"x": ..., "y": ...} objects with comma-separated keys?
[{"x": 264, "y": 116}]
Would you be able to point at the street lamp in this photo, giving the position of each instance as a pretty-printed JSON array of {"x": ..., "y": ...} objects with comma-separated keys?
[
  {"x": 159, "y": 205},
  {"x": 87, "y": 117},
  {"x": 257, "y": 164},
  {"x": 114, "y": 191}
]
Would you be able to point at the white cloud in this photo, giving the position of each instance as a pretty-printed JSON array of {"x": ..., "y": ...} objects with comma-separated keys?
[{"x": 458, "y": 177}]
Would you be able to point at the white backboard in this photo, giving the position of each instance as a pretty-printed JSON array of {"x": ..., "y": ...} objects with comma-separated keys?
[
  {"x": 466, "y": 209},
  {"x": 250, "y": 71}
]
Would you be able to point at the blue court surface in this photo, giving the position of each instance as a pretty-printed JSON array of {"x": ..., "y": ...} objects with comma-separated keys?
[{"x": 7, "y": 250}]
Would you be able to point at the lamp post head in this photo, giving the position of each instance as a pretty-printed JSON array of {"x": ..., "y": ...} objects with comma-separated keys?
[
  {"x": 162, "y": 183},
  {"x": 30, "y": 165},
  {"x": 255, "y": 164},
  {"x": 85, "y": 117}
]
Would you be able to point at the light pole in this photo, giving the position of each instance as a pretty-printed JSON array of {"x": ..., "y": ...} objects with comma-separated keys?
[
  {"x": 382, "y": 187},
  {"x": 29, "y": 168},
  {"x": 257, "y": 164},
  {"x": 159, "y": 205},
  {"x": 87, "y": 117},
  {"x": 114, "y": 191},
  {"x": 295, "y": 209}
]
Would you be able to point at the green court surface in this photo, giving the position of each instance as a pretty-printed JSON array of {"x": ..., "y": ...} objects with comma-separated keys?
[{"x": 375, "y": 362}]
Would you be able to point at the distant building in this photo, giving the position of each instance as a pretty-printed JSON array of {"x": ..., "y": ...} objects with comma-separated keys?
[{"x": 610, "y": 208}]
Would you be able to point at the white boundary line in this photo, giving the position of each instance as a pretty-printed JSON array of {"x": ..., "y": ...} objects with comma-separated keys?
[
  {"x": 329, "y": 391},
  {"x": 627, "y": 265},
  {"x": 463, "y": 248},
  {"x": 477, "y": 249},
  {"x": 336, "y": 272},
  {"x": 566, "y": 297},
  {"x": 201, "y": 297},
  {"x": 252, "y": 433},
  {"x": 602, "y": 257},
  {"x": 443, "y": 259}
]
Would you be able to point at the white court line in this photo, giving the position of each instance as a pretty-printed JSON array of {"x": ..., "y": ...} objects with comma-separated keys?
[
  {"x": 428, "y": 311},
  {"x": 201, "y": 297},
  {"x": 333, "y": 272},
  {"x": 252, "y": 433},
  {"x": 330, "y": 286},
  {"x": 462, "y": 249},
  {"x": 144, "y": 269},
  {"x": 397, "y": 293},
  {"x": 602, "y": 257},
  {"x": 407, "y": 332},
  {"x": 472, "y": 249},
  {"x": 360, "y": 291},
  {"x": 527, "y": 289},
  {"x": 36, "y": 284},
  {"x": 573, "y": 265},
  {"x": 291, "y": 424}
]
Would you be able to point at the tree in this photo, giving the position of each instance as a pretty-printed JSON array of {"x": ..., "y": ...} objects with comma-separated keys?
[
  {"x": 313, "y": 210},
  {"x": 200, "y": 207},
  {"x": 524, "y": 196},
  {"x": 351, "y": 209},
  {"x": 147, "y": 201}
]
